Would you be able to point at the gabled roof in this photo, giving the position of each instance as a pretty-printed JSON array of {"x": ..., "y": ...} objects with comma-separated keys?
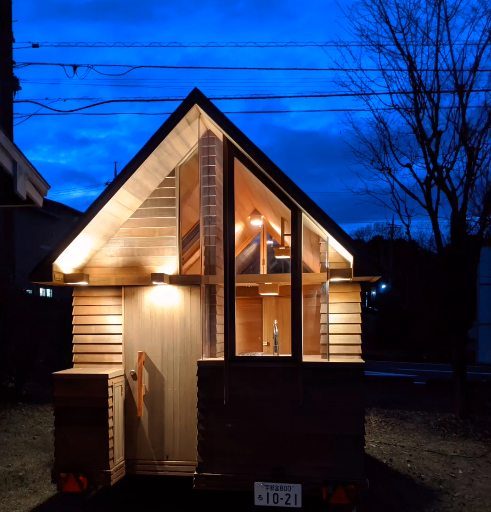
[{"x": 183, "y": 118}]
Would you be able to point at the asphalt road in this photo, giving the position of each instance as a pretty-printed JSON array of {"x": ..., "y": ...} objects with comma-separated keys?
[{"x": 422, "y": 373}]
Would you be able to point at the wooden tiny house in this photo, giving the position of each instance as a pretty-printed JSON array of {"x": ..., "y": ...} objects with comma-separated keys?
[{"x": 229, "y": 305}]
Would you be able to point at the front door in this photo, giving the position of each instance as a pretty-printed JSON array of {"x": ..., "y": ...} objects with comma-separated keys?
[{"x": 164, "y": 322}]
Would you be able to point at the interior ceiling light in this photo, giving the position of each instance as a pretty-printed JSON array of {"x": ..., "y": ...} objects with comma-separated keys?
[
  {"x": 76, "y": 279},
  {"x": 256, "y": 219},
  {"x": 159, "y": 278},
  {"x": 283, "y": 252},
  {"x": 269, "y": 289}
]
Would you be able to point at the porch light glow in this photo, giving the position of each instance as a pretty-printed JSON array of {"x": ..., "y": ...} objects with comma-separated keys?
[
  {"x": 339, "y": 279},
  {"x": 159, "y": 278},
  {"x": 269, "y": 289},
  {"x": 76, "y": 279},
  {"x": 256, "y": 219},
  {"x": 165, "y": 296}
]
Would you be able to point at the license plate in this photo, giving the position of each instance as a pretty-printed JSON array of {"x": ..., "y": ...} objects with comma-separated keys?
[{"x": 277, "y": 495}]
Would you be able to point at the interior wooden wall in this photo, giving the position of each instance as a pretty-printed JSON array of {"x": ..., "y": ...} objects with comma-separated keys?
[
  {"x": 148, "y": 237},
  {"x": 277, "y": 308},
  {"x": 97, "y": 327},
  {"x": 344, "y": 321},
  {"x": 249, "y": 324},
  {"x": 312, "y": 295}
]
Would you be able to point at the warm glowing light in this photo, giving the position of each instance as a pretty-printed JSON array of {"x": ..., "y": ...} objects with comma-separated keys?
[
  {"x": 282, "y": 253},
  {"x": 275, "y": 227},
  {"x": 340, "y": 279},
  {"x": 165, "y": 295},
  {"x": 256, "y": 219},
  {"x": 75, "y": 255},
  {"x": 159, "y": 278},
  {"x": 269, "y": 289},
  {"x": 76, "y": 279},
  {"x": 341, "y": 250}
]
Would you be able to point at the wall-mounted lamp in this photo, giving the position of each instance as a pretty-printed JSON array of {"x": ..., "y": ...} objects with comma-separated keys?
[
  {"x": 256, "y": 219},
  {"x": 283, "y": 252},
  {"x": 159, "y": 278},
  {"x": 76, "y": 279},
  {"x": 269, "y": 289}
]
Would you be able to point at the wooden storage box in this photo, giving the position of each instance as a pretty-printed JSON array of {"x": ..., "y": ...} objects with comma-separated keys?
[{"x": 89, "y": 424}]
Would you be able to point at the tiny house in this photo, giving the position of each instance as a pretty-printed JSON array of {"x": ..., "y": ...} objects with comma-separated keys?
[{"x": 216, "y": 324}]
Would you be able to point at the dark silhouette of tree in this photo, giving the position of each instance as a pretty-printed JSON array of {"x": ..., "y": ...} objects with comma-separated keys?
[{"x": 423, "y": 147}]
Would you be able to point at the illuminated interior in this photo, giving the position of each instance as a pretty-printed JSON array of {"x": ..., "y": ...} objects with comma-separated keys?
[{"x": 262, "y": 267}]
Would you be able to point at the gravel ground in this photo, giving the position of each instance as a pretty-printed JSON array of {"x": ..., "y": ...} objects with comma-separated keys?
[
  {"x": 416, "y": 462},
  {"x": 26, "y": 456}
]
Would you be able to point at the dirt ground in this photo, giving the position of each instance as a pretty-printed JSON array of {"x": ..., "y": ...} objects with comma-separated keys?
[{"x": 419, "y": 459}]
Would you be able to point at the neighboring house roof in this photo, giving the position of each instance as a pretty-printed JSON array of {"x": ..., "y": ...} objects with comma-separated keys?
[
  {"x": 159, "y": 156},
  {"x": 29, "y": 186}
]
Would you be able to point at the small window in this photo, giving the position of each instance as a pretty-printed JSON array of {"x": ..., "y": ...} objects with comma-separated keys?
[
  {"x": 29, "y": 292},
  {"x": 46, "y": 292}
]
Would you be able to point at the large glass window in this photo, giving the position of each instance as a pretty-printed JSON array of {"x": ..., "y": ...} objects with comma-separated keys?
[
  {"x": 315, "y": 288},
  {"x": 190, "y": 252},
  {"x": 262, "y": 267}
]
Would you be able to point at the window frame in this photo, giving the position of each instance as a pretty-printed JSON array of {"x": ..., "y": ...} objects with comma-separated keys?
[{"x": 231, "y": 153}]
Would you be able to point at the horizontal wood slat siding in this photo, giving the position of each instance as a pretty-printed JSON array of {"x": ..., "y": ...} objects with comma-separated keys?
[
  {"x": 97, "y": 327},
  {"x": 89, "y": 426},
  {"x": 298, "y": 433},
  {"x": 344, "y": 321},
  {"x": 148, "y": 237}
]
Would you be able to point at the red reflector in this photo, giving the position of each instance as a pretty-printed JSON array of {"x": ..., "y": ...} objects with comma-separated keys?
[
  {"x": 340, "y": 497},
  {"x": 72, "y": 483}
]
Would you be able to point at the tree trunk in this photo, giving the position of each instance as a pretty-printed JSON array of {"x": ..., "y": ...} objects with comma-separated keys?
[{"x": 459, "y": 262}]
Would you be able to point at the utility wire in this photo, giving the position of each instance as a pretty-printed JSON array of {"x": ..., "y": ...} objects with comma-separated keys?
[
  {"x": 212, "y": 44},
  {"x": 92, "y": 67},
  {"x": 229, "y": 98},
  {"x": 20, "y": 115}
]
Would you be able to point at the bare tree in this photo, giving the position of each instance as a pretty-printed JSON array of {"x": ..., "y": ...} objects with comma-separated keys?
[{"x": 422, "y": 146}]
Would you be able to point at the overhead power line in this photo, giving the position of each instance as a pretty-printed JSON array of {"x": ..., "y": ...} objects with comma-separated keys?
[
  {"x": 132, "y": 67},
  {"x": 20, "y": 115},
  {"x": 230, "y": 98},
  {"x": 212, "y": 44}
]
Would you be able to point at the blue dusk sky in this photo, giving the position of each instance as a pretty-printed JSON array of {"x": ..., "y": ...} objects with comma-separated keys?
[{"x": 76, "y": 154}]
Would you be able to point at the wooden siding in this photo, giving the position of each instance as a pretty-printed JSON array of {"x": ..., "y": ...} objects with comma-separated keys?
[
  {"x": 211, "y": 175},
  {"x": 344, "y": 321},
  {"x": 148, "y": 237},
  {"x": 97, "y": 327},
  {"x": 277, "y": 427},
  {"x": 89, "y": 424}
]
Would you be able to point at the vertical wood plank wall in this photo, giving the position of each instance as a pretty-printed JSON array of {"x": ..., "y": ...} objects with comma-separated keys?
[
  {"x": 97, "y": 327},
  {"x": 344, "y": 321},
  {"x": 211, "y": 171},
  {"x": 148, "y": 237}
]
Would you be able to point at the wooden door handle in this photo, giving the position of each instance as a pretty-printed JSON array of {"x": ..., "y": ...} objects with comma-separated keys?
[{"x": 141, "y": 385}]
